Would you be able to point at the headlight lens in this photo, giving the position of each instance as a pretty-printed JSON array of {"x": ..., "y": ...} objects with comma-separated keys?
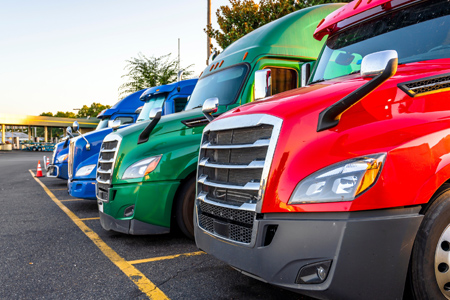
[
  {"x": 62, "y": 158},
  {"x": 142, "y": 167},
  {"x": 84, "y": 171},
  {"x": 339, "y": 182}
]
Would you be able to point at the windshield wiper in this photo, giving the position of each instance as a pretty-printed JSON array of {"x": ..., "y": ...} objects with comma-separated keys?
[{"x": 318, "y": 80}]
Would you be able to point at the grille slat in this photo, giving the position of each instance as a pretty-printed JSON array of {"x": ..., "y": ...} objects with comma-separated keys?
[
  {"x": 105, "y": 168},
  {"x": 426, "y": 86}
]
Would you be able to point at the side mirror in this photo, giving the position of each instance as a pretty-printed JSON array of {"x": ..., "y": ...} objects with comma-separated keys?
[
  {"x": 138, "y": 110},
  {"x": 116, "y": 124},
  {"x": 155, "y": 113},
  {"x": 69, "y": 131},
  {"x": 179, "y": 75},
  {"x": 375, "y": 63},
  {"x": 263, "y": 84},
  {"x": 76, "y": 126},
  {"x": 212, "y": 57},
  {"x": 306, "y": 73},
  {"x": 209, "y": 107}
]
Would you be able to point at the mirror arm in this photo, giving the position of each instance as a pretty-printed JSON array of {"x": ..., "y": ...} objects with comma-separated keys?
[
  {"x": 88, "y": 146},
  {"x": 145, "y": 134},
  {"x": 330, "y": 116},
  {"x": 209, "y": 117}
]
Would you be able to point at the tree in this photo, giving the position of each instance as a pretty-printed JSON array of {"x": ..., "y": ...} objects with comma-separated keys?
[
  {"x": 244, "y": 16},
  {"x": 144, "y": 72},
  {"x": 91, "y": 111}
]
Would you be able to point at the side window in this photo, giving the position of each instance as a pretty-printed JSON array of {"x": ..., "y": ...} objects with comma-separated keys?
[
  {"x": 125, "y": 120},
  {"x": 283, "y": 79},
  {"x": 180, "y": 103}
]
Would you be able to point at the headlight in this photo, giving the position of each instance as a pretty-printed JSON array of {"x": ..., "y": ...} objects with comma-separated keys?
[
  {"x": 84, "y": 171},
  {"x": 141, "y": 168},
  {"x": 62, "y": 158},
  {"x": 339, "y": 182}
]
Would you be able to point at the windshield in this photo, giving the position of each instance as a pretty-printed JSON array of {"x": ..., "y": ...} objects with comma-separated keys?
[
  {"x": 419, "y": 32},
  {"x": 152, "y": 102},
  {"x": 102, "y": 124},
  {"x": 224, "y": 85}
]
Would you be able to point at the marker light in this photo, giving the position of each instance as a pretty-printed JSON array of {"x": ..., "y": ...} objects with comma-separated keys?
[
  {"x": 339, "y": 182},
  {"x": 84, "y": 171},
  {"x": 142, "y": 167}
]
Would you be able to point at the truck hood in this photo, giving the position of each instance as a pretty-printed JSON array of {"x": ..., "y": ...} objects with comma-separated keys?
[{"x": 381, "y": 122}]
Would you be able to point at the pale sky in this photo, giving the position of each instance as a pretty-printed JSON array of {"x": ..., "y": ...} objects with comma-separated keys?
[{"x": 59, "y": 55}]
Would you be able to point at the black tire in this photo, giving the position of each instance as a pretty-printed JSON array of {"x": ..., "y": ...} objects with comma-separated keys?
[
  {"x": 39, "y": 149},
  {"x": 184, "y": 207},
  {"x": 423, "y": 273},
  {"x": 34, "y": 149}
]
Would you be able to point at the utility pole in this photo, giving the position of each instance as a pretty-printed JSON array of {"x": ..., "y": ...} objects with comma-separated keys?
[{"x": 208, "y": 39}]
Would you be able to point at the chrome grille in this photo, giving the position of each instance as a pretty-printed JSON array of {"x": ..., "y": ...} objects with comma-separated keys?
[
  {"x": 105, "y": 166},
  {"x": 425, "y": 86},
  {"x": 70, "y": 158},
  {"x": 235, "y": 157}
]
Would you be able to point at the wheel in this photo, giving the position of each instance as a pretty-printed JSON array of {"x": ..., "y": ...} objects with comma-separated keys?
[
  {"x": 39, "y": 149},
  {"x": 184, "y": 208},
  {"x": 34, "y": 148},
  {"x": 430, "y": 260}
]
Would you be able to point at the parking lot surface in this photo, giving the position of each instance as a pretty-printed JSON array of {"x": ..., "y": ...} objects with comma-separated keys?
[{"x": 53, "y": 247}]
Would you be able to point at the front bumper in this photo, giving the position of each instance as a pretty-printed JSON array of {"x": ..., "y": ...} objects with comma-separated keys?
[
  {"x": 370, "y": 251},
  {"x": 84, "y": 189},
  {"x": 152, "y": 203}
]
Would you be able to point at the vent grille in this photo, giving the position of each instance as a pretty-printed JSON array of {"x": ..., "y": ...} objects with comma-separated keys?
[
  {"x": 426, "y": 86},
  {"x": 229, "y": 223},
  {"x": 105, "y": 168},
  {"x": 232, "y": 170}
]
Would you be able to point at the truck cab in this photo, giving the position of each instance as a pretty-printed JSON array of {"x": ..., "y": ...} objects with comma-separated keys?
[
  {"x": 341, "y": 189},
  {"x": 83, "y": 158},
  {"x": 150, "y": 185},
  {"x": 124, "y": 110}
]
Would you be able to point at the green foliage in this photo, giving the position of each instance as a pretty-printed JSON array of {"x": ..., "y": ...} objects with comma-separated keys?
[
  {"x": 47, "y": 114},
  {"x": 144, "y": 72},
  {"x": 244, "y": 16},
  {"x": 91, "y": 111}
]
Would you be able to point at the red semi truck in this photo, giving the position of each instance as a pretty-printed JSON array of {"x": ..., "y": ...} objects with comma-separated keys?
[{"x": 341, "y": 189}]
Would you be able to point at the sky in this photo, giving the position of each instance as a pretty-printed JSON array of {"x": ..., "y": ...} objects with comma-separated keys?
[{"x": 61, "y": 55}]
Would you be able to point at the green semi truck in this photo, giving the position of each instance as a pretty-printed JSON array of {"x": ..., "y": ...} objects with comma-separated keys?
[{"x": 146, "y": 172}]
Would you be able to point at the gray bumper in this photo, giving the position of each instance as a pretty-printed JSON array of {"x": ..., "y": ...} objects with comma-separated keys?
[
  {"x": 132, "y": 226},
  {"x": 370, "y": 251}
]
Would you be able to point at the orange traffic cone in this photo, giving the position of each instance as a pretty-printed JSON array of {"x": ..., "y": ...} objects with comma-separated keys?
[{"x": 39, "y": 170}]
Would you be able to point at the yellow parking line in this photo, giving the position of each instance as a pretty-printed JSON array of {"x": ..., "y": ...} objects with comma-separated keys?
[
  {"x": 143, "y": 283},
  {"x": 146, "y": 260},
  {"x": 74, "y": 199},
  {"x": 87, "y": 219}
]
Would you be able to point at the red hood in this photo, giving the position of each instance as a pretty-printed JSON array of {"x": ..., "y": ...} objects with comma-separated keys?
[{"x": 382, "y": 121}]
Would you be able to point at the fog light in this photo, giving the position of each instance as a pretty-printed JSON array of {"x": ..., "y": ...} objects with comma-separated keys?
[
  {"x": 314, "y": 273},
  {"x": 129, "y": 211}
]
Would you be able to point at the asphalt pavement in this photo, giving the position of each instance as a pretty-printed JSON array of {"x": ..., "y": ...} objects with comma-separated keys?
[{"x": 46, "y": 254}]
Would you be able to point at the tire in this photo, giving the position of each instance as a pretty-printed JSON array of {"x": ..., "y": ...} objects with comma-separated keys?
[
  {"x": 430, "y": 259},
  {"x": 184, "y": 207},
  {"x": 39, "y": 149},
  {"x": 34, "y": 149}
]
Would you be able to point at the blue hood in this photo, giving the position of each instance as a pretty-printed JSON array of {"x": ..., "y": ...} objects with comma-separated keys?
[{"x": 128, "y": 104}]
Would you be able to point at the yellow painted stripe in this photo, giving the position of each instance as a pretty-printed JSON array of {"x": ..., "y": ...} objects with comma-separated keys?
[
  {"x": 141, "y": 261},
  {"x": 143, "y": 283},
  {"x": 74, "y": 199},
  {"x": 88, "y": 219}
]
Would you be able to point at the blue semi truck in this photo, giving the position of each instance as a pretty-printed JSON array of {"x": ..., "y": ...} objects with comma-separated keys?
[
  {"x": 125, "y": 110},
  {"x": 84, "y": 150}
]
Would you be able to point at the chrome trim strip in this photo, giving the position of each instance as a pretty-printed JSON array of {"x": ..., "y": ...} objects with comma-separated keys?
[
  {"x": 250, "y": 186},
  {"x": 108, "y": 150},
  {"x": 104, "y": 182},
  {"x": 106, "y": 160},
  {"x": 103, "y": 171},
  {"x": 244, "y": 206},
  {"x": 258, "y": 143},
  {"x": 256, "y": 164}
]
